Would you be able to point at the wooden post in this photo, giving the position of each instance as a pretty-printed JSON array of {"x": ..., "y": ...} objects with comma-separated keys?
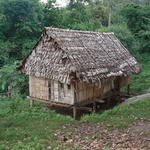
[
  {"x": 75, "y": 112},
  {"x": 9, "y": 93},
  {"x": 75, "y": 97},
  {"x": 31, "y": 102},
  {"x": 128, "y": 89},
  {"x": 94, "y": 105},
  {"x": 94, "y": 101}
]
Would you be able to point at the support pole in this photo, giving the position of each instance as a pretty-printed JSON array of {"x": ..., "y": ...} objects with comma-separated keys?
[
  {"x": 94, "y": 105},
  {"x": 94, "y": 100},
  {"x": 75, "y": 96},
  {"x": 31, "y": 102},
  {"x": 128, "y": 89},
  {"x": 75, "y": 112}
]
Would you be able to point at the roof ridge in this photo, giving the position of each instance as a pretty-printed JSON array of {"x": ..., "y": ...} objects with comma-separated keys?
[{"x": 76, "y": 31}]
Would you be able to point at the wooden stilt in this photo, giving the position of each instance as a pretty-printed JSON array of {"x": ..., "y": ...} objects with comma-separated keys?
[
  {"x": 75, "y": 97},
  {"x": 31, "y": 102},
  {"x": 75, "y": 112},
  {"x": 128, "y": 89},
  {"x": 94, "y": 105},
  {"x": 94, "y": 101}
]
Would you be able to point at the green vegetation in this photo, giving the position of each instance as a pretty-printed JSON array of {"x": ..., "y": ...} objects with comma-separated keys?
[
  {"x": 10, "y": 77},
  {"x": 22, "y": 127},
  {"x": 140, "y": 83},
  {"x": 21, "y": 24},
  {"x": 122, "y": 116}
]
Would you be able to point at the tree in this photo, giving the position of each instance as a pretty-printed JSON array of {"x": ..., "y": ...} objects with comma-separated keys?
[
  {"x": 100, "y": 13},
  {"x": 138, "y": 20},
  {"x": 52, "y": 14},
  {"x": 22, "y": 18},
  {"x": 80, "y": 8},
  {"x": 75, "y": 15},
  {"x": 9, "y": 76}
]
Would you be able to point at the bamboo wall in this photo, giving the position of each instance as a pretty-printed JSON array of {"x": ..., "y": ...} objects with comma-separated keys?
[
  {"x": 38, "y": 87},
  {"x": 50, "y": 90},
  {"x": 86, "y": 91}
]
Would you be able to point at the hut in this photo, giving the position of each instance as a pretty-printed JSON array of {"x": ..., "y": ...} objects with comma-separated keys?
[{"x": 72, "y": 68}]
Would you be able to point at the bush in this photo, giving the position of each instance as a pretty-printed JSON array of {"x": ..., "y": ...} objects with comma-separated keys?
[{"x": 9, "y": 76}]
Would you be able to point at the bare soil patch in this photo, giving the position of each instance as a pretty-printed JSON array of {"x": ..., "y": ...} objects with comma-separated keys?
[{"x": 141, "y": 129}]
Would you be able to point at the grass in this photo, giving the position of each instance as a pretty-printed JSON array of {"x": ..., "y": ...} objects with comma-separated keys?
[
  {"x": 24, "y": 128},
  {"x": 122, "y": 116}
]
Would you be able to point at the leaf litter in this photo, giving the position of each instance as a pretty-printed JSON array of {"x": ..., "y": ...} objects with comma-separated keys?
[{"x": 93, "y": 136}]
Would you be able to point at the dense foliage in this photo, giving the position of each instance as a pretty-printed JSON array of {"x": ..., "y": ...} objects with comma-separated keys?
[
  {"x": 21, "y": 23},
  {"x": 138, "y": 21}
]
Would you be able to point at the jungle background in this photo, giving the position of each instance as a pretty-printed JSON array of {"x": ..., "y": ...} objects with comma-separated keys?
[
  {"x": 26, "y": 128},
  {"x": 22, "y": 22}
]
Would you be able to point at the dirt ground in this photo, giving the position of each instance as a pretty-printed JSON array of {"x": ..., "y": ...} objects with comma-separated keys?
[
  {"x": 91, "y": 136},
  {"x": 142, "y": 129}
]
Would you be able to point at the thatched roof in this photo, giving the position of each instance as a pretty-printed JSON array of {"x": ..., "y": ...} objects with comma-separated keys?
[{"x": 94, "y": 56}]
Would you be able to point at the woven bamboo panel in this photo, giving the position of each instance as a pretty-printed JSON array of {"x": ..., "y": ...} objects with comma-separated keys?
[
  {"x": 108, "y": 86},
  {"x": 49, "y": 90},
  {"x": 59, "y": 92},
  {"x": 38, "y": 87},
  {"x": 87, "y": 91}
]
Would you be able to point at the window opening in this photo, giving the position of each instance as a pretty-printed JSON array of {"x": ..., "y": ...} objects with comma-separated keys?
[
  {"x": 61, "y": 85},
  {"x": 69, "y": 86}
]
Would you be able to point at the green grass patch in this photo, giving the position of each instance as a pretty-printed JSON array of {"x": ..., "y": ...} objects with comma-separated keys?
[
  {"x": 121, "y": 116},
  {"x": 22, "y": 127}
]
